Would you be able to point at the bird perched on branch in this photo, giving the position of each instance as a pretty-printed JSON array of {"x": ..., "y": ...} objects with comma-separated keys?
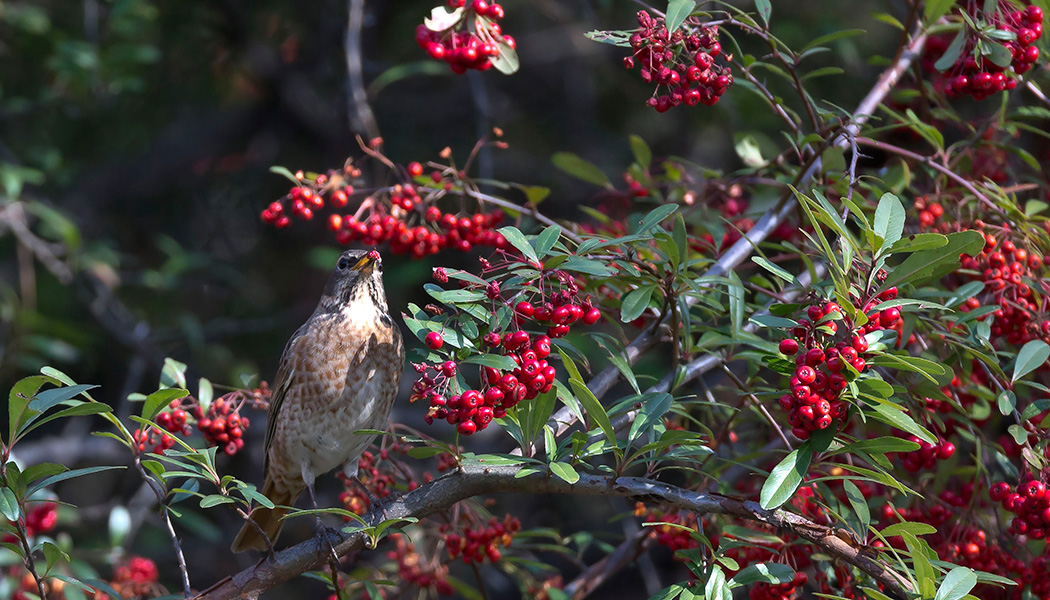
[{"x": 339, "y": 373}]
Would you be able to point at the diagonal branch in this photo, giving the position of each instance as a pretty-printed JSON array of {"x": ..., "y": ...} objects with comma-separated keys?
[{"x": 474, "y": 480}]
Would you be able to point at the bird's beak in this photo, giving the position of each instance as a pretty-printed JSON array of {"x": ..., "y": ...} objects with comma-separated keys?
[{"x": 366, "y": 264}]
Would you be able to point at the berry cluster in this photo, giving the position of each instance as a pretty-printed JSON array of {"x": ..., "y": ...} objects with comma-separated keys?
[
  {"x": 472, "y": 410},
  {"x": 173, "y": 422},
  {"x": 378, "y": 474},
  {"x": 670, "y": 533},
  {"x": 413, "y": 569},
  {"x": 223, "y": 425},
  {"x": 474, "y": 543},
  {"x": 976, "y": 74},
  {"x": 411, "y": 223},
  {"x": 136, "y": 578},
  {"x": 1006, "y": 271},
  {"x": 462, "y": 47},
  {"x": 926, "y": 457},
  {"x": 1030, "y": 502},
  {"x": 680, "y": 63}
]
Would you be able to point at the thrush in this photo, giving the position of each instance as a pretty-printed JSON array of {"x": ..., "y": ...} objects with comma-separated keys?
[{"x": 339, "y": 373}]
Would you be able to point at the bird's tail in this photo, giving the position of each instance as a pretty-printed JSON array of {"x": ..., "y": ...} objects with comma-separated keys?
[{"x": 266, "y": 519}]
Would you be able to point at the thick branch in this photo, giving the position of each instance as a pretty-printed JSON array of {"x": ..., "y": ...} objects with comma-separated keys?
[{"x": 475, "y": 480}]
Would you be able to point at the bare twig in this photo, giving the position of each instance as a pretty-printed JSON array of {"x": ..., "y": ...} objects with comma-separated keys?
[{"x": 362, "y": 120}]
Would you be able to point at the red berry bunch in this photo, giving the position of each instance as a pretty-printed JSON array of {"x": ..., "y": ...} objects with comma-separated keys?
[
  {"x": 669, "y": 533},
  {"x": 414, "y": 569},
  {"x": 813, "y": 403},
  {"x": 978, "y": 74},
  {"x": 137, "y": 578},
  {"x": 411, "y": 223},
  {"x": 473, "y": 409},
  {"x": 223, "y": 425},
  {"x": 926, "y": 457},
  {"x": 475, "y": 542},
  {"x": 1030, "y": 502},
  {"x": 681, "y": 64},
  {"x": 1006, "y": 270},
  {"x": 467, "y": 38}
]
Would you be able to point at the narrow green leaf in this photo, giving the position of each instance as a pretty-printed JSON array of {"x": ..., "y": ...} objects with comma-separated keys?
[
  {"x": 214, "y": 500},
  {"x": 47, "y": 399},
  {"x": 677, "y": 12},
  {"x": 635, "y": 302},
  {"x": 580, "y": 168},
  {"x": 953, "y": 52},
  {"x": 642, "y": 154},
  {"x": 889, "y": 219},
  {"x": 935, "y": 9},
  {"x": 594, "y": 409},
  {"x": 785, "y": 478},
  {"x": 156, "y": 401},
  {"x": 9, "y": 505},
  {"x": 911, "y": 527},
  {"x": 770, "y": 572},
  {"x": 496, "y": 361},
  {"x": 901, "y": 420},
  {"x": 546, "y": 240},
  {"x": 517, "y": 239},
  {"x": 565, "y": 472},
  {"x": 655, "y": 216},
  {"x": 773, "y": 268},
  {"x": 858, "y": 502},
  {"x": 1031, "y": 356},
  {"x": 765, "y": 9},
  {"x": 52, "y": 480}
]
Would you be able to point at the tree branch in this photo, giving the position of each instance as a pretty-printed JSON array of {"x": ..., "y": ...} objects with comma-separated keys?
[{"x": 474, "y": 480}]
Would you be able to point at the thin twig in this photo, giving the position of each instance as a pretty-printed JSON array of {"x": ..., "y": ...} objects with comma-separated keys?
[
  {"x": 160, "y": 493},
  {"x": 362, "y": 119},
  {"x": 757, "y": 403}
]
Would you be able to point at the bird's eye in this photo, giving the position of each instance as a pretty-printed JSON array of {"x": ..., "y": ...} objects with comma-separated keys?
[{"x": 343, "y": 264}]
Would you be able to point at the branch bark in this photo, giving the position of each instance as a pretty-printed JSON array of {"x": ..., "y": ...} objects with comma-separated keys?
[{"x": 474, "y": 480}]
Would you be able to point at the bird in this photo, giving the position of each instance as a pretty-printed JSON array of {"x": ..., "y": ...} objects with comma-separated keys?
[{"x": 339, "y": 373}]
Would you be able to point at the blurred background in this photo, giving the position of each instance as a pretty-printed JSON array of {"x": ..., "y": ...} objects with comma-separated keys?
[{"x": 136, "y": 138}]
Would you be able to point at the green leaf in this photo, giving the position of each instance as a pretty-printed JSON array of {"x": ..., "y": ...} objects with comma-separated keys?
[
  {"x": 773, "y": 268},
  {"x": 716, "y": 587},
  {"x": 953, "y": 52},
  {"x": 9, "y": 505},
  {"x": 858, "y": 502},
  {"x": 18, "y": 400},
  {"x": 580, "y": 168},
  {"x": 654, "y": 407},
  {"x": 889, "y": 219},
  {"x": 785, "y": 478},
  {"x": 918, "y": 241},
  {"x": 935, "y": 9},
  {"x": 765, "y": 572},
  {"x": 997, "y": 53},
  {"x": 52, "y": 480},
  {"x": 642, "y": 154},
  {"x": 282, "y": 171},
  {"x": 564, "y": 471},
  {"x": 496, "y": 361},
  {"x": 1031, "y": 356},
  {"x": 156, "y": 401},
  {"x": 47, "y": 399},
  {"x": 214, "y": 500},
  {"x": 635, "y": 302},
  {"x": 677, "y": 12},
  {"x": 911, "y": 527},
  {"x": 655, "y": 216},
  {"x": 892, "y": 415},
  {"x": 765, "y": 9},
  {"x": 517, "y": 239},
  {"x": 546, "y": 240},
  {"x": 594, "y": 409}
]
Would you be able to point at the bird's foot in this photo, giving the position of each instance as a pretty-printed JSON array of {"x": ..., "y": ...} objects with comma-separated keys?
[{"x": 325, "y": 533}]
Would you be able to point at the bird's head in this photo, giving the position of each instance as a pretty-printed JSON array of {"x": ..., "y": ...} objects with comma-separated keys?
[{"x": 358, "y": 277}]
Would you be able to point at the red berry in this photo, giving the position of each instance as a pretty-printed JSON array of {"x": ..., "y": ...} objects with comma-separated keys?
[
  {"x": 788, "y": 346},
  {"x": 434, "y": 340},
  {"x": 806, "y": 374}
]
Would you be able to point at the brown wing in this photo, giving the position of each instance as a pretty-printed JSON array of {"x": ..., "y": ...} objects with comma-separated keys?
[{"x": 285, "y": 376}]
